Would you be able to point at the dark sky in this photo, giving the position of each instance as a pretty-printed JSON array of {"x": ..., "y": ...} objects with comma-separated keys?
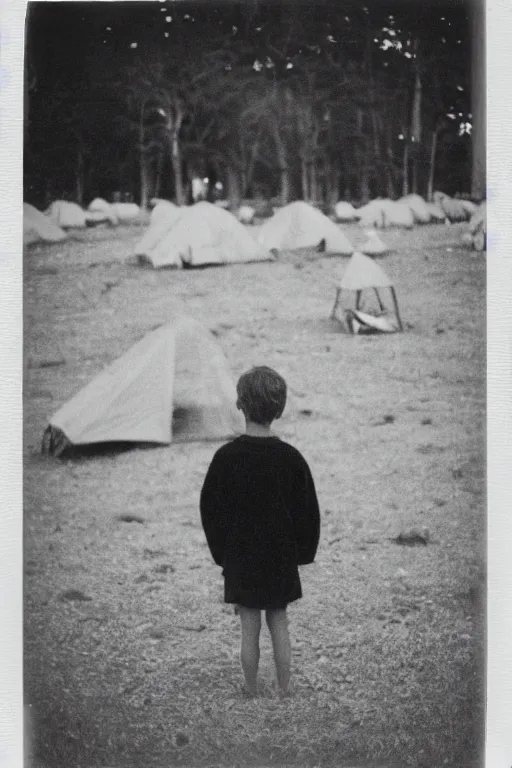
[{"x": 62, "y": 37}]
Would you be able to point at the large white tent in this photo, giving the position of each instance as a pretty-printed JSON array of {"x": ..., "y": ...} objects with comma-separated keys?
[
  {"x": 299, "y": 225},
  {"x": 172, "y": 385},
  {"x": 201, "y": 234}
]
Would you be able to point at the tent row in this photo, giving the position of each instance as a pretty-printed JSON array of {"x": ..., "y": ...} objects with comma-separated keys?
[
  {"x": 50, "y": 226},
  {"x": 407, "y": 212},
  {"x": 208, "y": 234},
  {"x": 175, "y": 384}
]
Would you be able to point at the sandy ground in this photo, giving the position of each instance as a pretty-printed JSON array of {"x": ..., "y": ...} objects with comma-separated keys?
[{"x": 387, "y": 641}]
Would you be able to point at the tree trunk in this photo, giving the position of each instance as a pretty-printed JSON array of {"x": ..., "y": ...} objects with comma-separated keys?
[
  {"x": 144, "y": 182},
  {"x": 478, "y": 101},
  {"x": 143, "y": 164},
  {"x": 234, "y": 188},
  {"x": 313, "y": 182},
  {"x": 304, "y": 179},
  {"x": 158, "y": 172},
  {"x": 79, "y": 177},
  {"x": 390, "y": 181},
  {"x": 405, "y": 169},
  {"x": 284, "y": 174},
  {"x": 432, "y": 166},
  {"x": 174, "y": 130}
]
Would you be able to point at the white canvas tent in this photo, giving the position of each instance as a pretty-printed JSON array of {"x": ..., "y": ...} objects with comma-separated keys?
[
  {"x": 386, "y": 213},
  {"x": 344, "y": 211},
  {"x": 38, "y": 227},
  {"x": 163, "y": 216},
  {"x": 299, "y": 225},
  {"x": 363, "y": 274},
  {"x": 373, "y": 245},
  {"x": 202, "y": 234},
  {"x": 126, "y": 212},
  {"x": 173, "y": 385},
  {"x": 99, "y": 206},
  {"x": 418, "y": 207},
  {"x": 66, "y": 215}
]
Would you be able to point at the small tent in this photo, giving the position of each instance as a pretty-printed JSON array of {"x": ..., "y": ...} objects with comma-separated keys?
[
  {"x": 38, "y": 227},
  {"x": 66, "y": 215},
  {"x": 386, "y": 213},
  {"x": 373, "y": 245},
  {"x": 299, "y": 225},
  {"x": 126, "y": 212},
  {"x": 173, "y": 385},
  {"x": 418, "y": 207},
  {"x": 344, "y": 211},
  {"x": 453, "y": 208},
  {"x": 362, "y": 279},
  {"x": 100, "y": 206},
  {"x": 203, "y": 234},
  {"x": 476, "y": 236}
]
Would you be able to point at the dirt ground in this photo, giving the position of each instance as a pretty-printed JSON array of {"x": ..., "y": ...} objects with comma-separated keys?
[{"x": 140, "y": 667}]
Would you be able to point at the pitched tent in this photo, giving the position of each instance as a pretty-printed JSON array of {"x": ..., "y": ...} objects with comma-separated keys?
[
  {"x": 126, "y": 212},
  {"x": 364, "y": 274},
  {"x": 418, "y": 207},
  {"x": 204, "y": 234},
  {"x": 299, "y": 225},
  {"x": 66, "y": 214},
  {"x": 173, "y": 385},
  {"x": 386, "y": 213},
  {"x": 344, "y": 211},
  {"x": 454, "y": 209},
  {"x": 38, "y": 227},
  {"x": 163, "y": 216},
  {"x": 373, "y": 245},
  {"x": 98, "y": 205}
]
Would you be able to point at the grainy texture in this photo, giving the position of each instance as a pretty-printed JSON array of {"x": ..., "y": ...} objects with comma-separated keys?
[{"x": 388, "y": 640}]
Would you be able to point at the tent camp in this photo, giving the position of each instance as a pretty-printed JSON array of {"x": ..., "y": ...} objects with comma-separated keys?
[
  {"x": 362, "y": 280},
  {"x": 202, "y": 234},
  {"x": 173, "y": 385},
  {"x": 299, "y": 225},
  {"x": 66, "y": 215},
  {"x": 37, "y": 227}
]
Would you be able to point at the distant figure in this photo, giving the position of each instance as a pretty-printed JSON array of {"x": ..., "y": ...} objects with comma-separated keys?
[{"x": 261, "y": 519}]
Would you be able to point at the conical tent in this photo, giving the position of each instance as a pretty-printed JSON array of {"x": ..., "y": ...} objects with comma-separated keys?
[
  {"x": 173, "y": 385},
  {"x": 203, "y": 234},
  {"x": 363, "y": 273},
  {"x": 299, "y": 225}
]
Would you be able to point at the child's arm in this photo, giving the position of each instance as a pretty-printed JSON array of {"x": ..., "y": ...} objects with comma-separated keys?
[
  {"x": 212, "y": 517},
  {"x": 305, "y": 515}
]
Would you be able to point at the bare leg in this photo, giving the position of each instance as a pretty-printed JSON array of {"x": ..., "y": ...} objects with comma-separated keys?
[
  {"x": 277, "y": 622},
  {"x": 250, "y": 619}
]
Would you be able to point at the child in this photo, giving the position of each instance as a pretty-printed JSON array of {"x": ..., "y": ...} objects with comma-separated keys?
[{"x": 260, "y": 515}]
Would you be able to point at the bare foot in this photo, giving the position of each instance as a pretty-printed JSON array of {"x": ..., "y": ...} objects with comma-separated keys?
[{"x": 249, "y": 693}]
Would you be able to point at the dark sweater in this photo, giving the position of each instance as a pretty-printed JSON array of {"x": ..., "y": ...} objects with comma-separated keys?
[{"x": 260, "y": 515}]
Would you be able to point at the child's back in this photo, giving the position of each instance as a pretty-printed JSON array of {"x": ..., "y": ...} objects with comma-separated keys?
[
  {"x": 269, "y": 523},
  {"x": 261, "y": 519}
]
